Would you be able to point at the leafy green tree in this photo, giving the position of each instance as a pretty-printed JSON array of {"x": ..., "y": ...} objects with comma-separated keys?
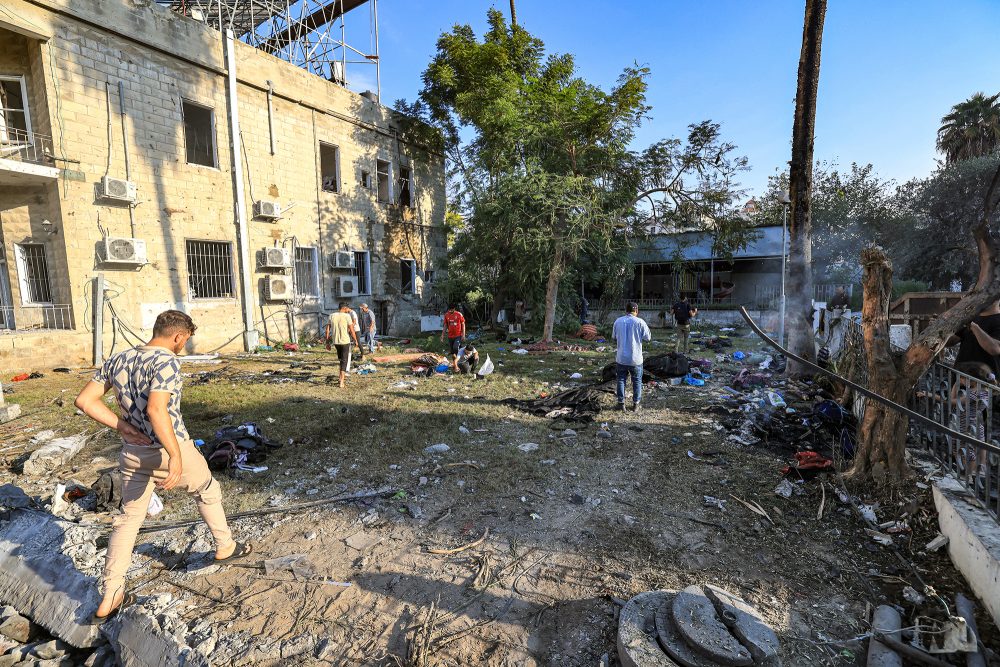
[
  {"x": 971, "y": 129},
  {"x": 542, "y": 170}
]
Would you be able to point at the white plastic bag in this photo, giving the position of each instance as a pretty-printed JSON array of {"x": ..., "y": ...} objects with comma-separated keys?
[
  {"x": 486, "y": 368},
  {"x": 155, "y": 505}
]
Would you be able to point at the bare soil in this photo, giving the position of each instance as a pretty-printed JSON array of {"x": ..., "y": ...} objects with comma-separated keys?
[{"x": 573, "y": 527}]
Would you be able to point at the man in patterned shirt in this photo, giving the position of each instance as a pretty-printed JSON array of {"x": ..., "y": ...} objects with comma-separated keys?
[{"x": 156, "y": 448}]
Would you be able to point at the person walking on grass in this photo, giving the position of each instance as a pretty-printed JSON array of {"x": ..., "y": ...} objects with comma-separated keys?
[
  {"x": 630, "y": 331},
  {"x": 339, "y": 334},
  {"x": 454, "y": 329},
  {"x": 156, "y": 450},
  {"x": 368, "y": 328},
  {"x": 683, "y": 312}
]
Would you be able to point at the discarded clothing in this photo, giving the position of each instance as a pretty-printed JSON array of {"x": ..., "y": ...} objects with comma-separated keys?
[
  {"x": 588, "y": 332},
  {"x": 579, "y": 404},
  {"x": 808, "y": 465}
]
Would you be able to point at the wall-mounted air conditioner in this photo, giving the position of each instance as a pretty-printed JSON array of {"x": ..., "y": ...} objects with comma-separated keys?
[
  {"x": 118, "y": 189},
  {"x": 347, "y": 286},
  {"x": 342, "y": 259},
  {"x": 276, "y": 258},
  {"x": 278, "y": 288},
  {"x": 267, "y": 209},
  {"x": 123, "y": 251}
]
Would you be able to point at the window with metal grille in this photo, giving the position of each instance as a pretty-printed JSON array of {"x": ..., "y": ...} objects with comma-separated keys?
[
  {"x": 329, "y": 167},
  {"x": 408, "y": 276},
  {"x": 33, "y": 270},
  {"x": 382, "y": 181},
  {"x": 306, "y": 275},
  {"x": 15, "y": 125},
  {"x": 199, "y": 134},
  {"x": 363, "y": 270},
  {"x": 404, "y": 186},
  {"x": 210, "y": 269}
]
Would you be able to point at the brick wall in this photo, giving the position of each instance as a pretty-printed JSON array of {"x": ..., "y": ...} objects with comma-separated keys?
[{"x": 162, "y": 60}]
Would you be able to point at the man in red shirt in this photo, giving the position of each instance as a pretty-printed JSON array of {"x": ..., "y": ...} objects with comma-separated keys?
[{"x": 454, "y": 328}]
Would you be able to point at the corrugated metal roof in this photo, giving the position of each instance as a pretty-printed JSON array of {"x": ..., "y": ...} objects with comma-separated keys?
[{"x": 697, "y": 246}]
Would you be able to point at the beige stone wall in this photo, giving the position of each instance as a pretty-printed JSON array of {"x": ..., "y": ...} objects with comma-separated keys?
[{"x": 162, "y": 60}]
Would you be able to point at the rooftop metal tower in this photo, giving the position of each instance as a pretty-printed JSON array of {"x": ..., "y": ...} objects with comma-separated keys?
[{"x": 311, "y": 34}]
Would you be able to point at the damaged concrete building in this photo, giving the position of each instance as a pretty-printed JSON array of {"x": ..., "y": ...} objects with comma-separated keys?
[{"x": 150, "y": 160}]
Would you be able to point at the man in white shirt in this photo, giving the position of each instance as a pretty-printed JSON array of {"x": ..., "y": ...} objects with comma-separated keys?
[{"x": 629, "y": 331}]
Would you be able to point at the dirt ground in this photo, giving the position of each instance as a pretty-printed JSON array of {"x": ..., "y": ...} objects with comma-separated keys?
[{"x": 565, "y": 531}]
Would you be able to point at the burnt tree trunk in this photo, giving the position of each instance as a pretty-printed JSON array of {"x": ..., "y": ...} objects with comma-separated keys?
[
  {"x": 882, "y": 433},
  {"x": 800, "y": 284}
]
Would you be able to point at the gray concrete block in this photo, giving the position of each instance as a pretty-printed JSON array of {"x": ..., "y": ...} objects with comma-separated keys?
[
  {"x": 9, "y": 412},
  {"x": 637, "y": 637},
  {"x": 143, "y": 640},
  {"x": 887, "y": 620},
  {"x": 50, "y": 650},
  {"x": 697, "y": 621},
  {"x": 746, "y": 624},
  {"x": 41, "y": 582},
  {"x": 53, "y": 454}
]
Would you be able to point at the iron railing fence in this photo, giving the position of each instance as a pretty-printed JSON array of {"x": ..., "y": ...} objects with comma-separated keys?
[
  {"x": 36, "y": 318},
  {"x": 23, "y": 146}
]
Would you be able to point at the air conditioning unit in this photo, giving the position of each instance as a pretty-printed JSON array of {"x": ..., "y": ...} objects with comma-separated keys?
[
  {"x": 124, "y": 251},
  {"x": 118, "y": 189},
  {"x": 267, "y": 209},
  {"x": 342, "y": 259},
  {"x": 276, "y": 258},
  {"x": 278, "y": 288},
  {"x": 347, "y": 286}
]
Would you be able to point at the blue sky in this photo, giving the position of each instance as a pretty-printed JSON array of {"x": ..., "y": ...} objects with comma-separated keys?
[{"x": 890, "y": 69}]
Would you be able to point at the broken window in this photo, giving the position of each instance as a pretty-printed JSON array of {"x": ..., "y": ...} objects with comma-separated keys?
[
  {"x": 404, "y": 186},
  {"x": 366, "y": 179},
  {"x": 199, "y": 134},
  {"x": 363, "y": 270},
  {"x": 210, "y": 269},
  {"x": 33, "y": 270},
  {"x": 15, "y": 125},
  {"x": 428, "y": 276},
  {"x": 306, "y": 271},
  {"x": 382, "y": 181},
  {"x": 408, "y": 276},
  {"x": 329, "y": 167}
]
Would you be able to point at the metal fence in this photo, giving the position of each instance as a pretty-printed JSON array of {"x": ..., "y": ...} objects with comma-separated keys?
[
  {"x": 769, "y": 296},
  {"x": 36, "y": 318},
  {"x": 25, "y": 146},
  {"x": 955, "y": 400}
]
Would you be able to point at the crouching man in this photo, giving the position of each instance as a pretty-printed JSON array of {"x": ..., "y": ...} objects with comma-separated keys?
[{"x": 156, "y": 449}]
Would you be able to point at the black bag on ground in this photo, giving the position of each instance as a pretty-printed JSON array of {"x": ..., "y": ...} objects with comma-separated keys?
[
  {"x": 108, "y": 489},
  {"x": 657, "y": 367}
]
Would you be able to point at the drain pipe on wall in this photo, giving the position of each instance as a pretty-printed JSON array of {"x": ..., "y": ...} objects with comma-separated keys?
[
  {"x": 128, "y": 165},
  {"x": 250, "y": 338}
]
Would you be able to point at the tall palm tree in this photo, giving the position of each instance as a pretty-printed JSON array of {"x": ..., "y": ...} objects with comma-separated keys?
[{"x": 972, "y": 129}]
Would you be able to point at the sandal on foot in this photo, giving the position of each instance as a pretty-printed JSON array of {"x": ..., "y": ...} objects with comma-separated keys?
[
  {"x": 128, "y": 599},
  {"x": 242, "y": 549}
]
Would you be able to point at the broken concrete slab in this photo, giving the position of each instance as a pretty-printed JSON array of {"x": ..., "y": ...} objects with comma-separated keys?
[
  {"x": 141, "y": 639},
  {"x": 9, "y": 412},
  {"x": 16, "y": 628},
  {"x": 53, "y": 454},
  {"x": 671, "y": 640},
  {"x": 747, "y": 625},
  {"x": 41, "y": 582},
  {"x": 637, "y": 637},
  {"x": 697, "y": 621},
  {"x": 50, "y": 650},
  {"x": 885, "y": 620}
]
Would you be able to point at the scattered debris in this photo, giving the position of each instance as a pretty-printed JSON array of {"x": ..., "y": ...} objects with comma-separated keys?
[
  {"x": 439, "y": 448},
  {"x": 53, "y": 454}
]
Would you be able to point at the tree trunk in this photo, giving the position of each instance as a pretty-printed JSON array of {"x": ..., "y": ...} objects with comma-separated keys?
[
  {"x": 513, "y": 14},
  {"x": 499, "y": 298},
  {"x": 882, "y": 434},
  {"x": 552, "y": 292},
  {"x": 800, "y": 284}
]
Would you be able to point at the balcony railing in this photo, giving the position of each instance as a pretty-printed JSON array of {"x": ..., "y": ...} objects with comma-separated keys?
[
  {"x": 22, "y": 146},
  {"x": 36, "y": 318}
]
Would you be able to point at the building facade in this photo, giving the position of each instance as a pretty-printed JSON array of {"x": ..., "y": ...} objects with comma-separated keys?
[{"x": 148, "y": 153}]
